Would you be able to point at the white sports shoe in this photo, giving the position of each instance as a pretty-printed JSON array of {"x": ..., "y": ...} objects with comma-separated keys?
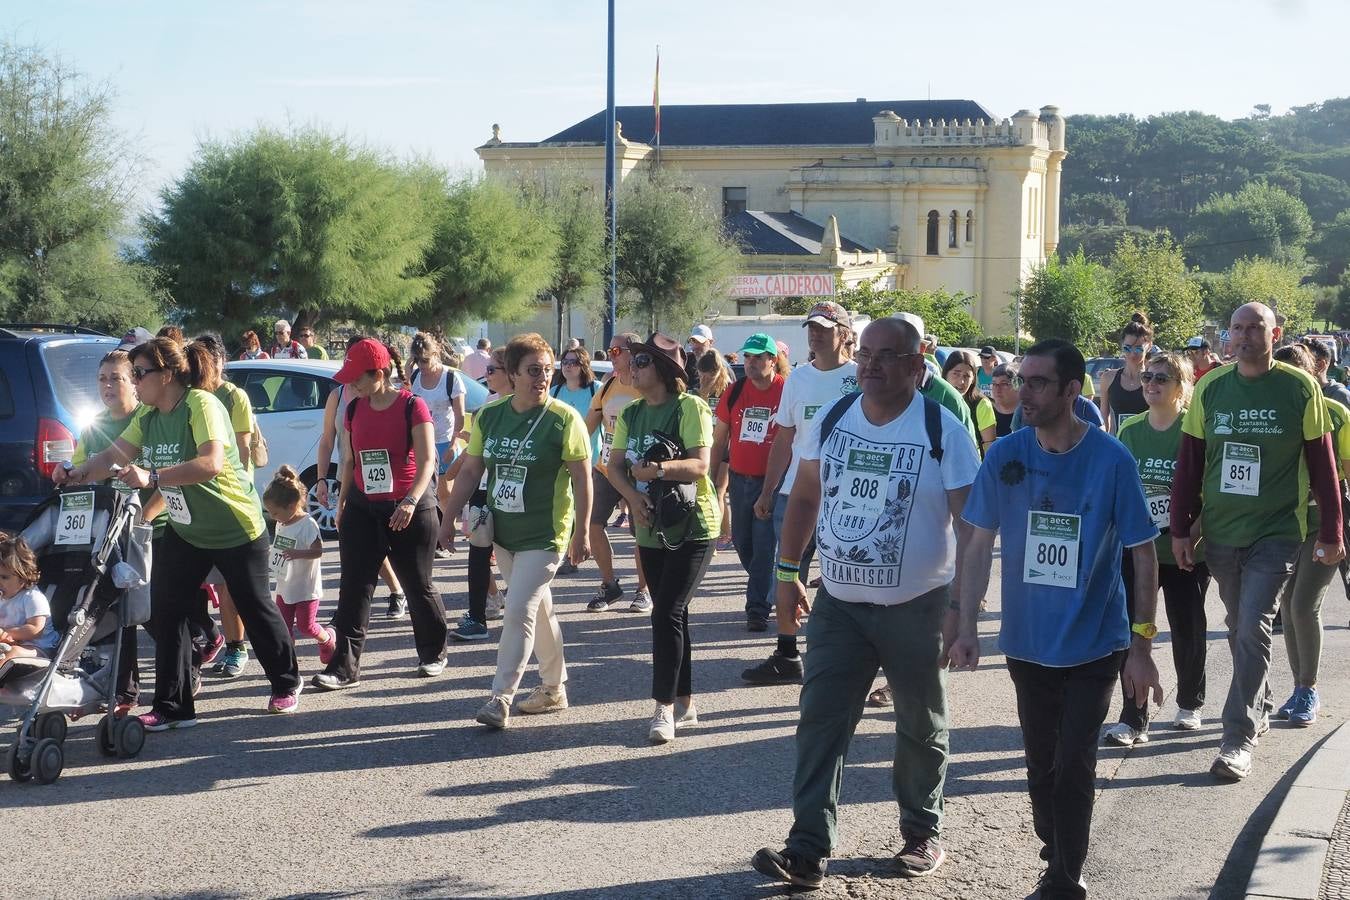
[
  {"x": 1234, "y": 763},
  {"x": 1125, "y": 736},
  {"x": 1187, "y": 719},
  {"x": 685, "y": 715},
  {"x": 544, "y": 699},
  {"x": 663, "y": 724}
]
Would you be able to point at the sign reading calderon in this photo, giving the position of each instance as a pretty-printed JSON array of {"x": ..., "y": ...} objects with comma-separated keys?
[{"x": 786, "y": 285}]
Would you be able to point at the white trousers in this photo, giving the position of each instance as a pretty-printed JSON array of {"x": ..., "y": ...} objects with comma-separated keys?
[{"x": 528, "y": 621}]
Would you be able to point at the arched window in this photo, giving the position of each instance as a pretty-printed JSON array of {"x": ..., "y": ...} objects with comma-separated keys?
[
  {"x": 970, "y": 226},
  {"x": 951, "y": 231},
  {"x": 934, "y": 222}
]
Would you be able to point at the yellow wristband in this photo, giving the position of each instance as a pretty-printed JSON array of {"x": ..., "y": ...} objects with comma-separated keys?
[{"x": 784, "y": 575}]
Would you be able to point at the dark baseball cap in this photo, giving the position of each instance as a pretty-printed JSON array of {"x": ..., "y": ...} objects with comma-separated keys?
[
  {"x": 988, "y": 351},
  {"x": 828, "y": 313}
]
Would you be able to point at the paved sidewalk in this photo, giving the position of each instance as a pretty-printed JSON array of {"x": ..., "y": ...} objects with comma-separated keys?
[{"x": 1336, "y": 875}]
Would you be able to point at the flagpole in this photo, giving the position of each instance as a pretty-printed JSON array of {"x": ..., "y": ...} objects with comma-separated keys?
[
  {"x": 656, "y": 103},
  {"x": 611, "y": 231}
]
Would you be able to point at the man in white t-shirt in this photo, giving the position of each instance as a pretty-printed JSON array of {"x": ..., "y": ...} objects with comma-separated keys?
[
  {"x": 809, "y": 389},
  {"x": 286, "y": 347},
  {"x": 476, "y": 363},
  {"x": 882, "y": 479}
]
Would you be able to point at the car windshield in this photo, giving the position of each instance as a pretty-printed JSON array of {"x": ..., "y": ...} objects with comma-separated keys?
[{"x": 73, "y": 367}]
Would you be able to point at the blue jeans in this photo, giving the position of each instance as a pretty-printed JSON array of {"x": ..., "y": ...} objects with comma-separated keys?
[
  {"x": 780, "y": 513},
  {"x": 755, "y": 542}
]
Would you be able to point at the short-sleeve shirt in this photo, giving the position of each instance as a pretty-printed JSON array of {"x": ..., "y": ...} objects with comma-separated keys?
[
  {"x": 316, "y": 352},
  {"x": 98, "y": 436},
  {"x": 1256, "y": 483},
  {"x": 984, "y": 381},
  {"x": 884, "y": 534},
  {"x": 1095, "y": 485},
  {"x": 242, "y": 419},
  {"x": 387, "y": 431},
  {"x": 217, "y": 514},
  {"x": 542, "y": 518},
  {"x": 27, "y": 604},
  {"x": 297, "y": 580},
  {"x": 935, "y": 387},
  {"x": 1340, "y": 442},
  {"x": 580, "y": 400},
  {"x": 633, "y": 433},
  {"x": 807, "y": 391},
  {"x": 750, "y": 442},
  {"x": 983, "y": 415},
  {"x": 438, "y": 399},
  {"x": 1155, "y": 453},
  {"x": 610, "y": 400}
]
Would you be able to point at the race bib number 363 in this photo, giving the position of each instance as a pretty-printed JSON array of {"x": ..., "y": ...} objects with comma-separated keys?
[{"x": 1052, "y": 549}]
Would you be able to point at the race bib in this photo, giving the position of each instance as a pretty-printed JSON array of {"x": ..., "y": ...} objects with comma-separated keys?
[
  {"x": 1052, "y": 549},
  {"x": 1160, "y": 510},
  {"x": 755, "y": 424},
  {"x": 176, "y": 504},
  {"x": 508, "y": 494},
  {"x": 376, "y": 472},
  {"x": 277, "y": 561},
  {"x": 809, "y": 413},
  {"x": 75, "y": 522},
  {"x": 866, "y": 481},
  {"x": 1241, "y": 473}
]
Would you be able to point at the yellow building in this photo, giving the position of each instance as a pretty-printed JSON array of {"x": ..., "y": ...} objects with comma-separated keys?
[{"x": 922, "y": 194}]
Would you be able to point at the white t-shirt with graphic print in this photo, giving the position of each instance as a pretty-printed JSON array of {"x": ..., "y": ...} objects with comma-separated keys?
[{"x": 807, "y": 391}]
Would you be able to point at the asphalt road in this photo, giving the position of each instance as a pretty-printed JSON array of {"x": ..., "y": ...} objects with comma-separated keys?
[{"x": 391, "y": 789}]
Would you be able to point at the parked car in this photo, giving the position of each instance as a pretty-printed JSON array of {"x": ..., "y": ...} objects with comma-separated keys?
[
  {"x": 1097, "y": 367},
  {"x": 48, "y": 394},
  {"x": 1004, "y": 357}
]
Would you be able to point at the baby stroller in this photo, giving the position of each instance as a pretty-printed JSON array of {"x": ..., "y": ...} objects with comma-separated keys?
[{"x": 94, "y": 559}]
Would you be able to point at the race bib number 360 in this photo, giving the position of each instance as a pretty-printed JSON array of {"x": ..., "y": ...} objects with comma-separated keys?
[
  {"x": 376, "y": 473},
  {"x": 1052, "y": 549},
  {"x": 76, "y": 519},
  {"x": 508, "y": 494},
  {"x": 1241, "y": 474}
]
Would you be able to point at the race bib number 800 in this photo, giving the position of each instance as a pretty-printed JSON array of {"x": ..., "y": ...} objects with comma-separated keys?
[{"x": 1052, "y": 549}]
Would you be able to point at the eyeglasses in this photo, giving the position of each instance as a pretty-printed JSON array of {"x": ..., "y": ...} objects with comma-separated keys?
[
  {"x": 1036, "y": 384},
  {"x": 884, "y": 358},
  {"x": 1002, "y": 384},
  {"x": 617, "y": 351},
  {"x": 534, "y": 370},
  {"x": 490, "y": 370},
  {"x": 1159, "y": 377},
  {"x": 571, "y": 362},
  {"x": 1131, "y": 348},
  {"x": 642, "y": 360},
  {"x": 137, "y": 373}
]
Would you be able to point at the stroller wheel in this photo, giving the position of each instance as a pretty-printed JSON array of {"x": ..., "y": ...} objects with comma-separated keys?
[
  {"x": 103, "y": 736},
  {"x": 16, "y": 764},
  {"x": 48, "y": 761},
  {"x": 130, "y": 736},
  {"x": 51, "y": 725}
]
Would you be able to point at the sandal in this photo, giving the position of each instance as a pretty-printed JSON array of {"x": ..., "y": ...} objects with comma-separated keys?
[{"x": 881, "y": 696}]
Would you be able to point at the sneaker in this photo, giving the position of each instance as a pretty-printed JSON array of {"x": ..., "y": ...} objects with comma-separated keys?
[
  {"x": 608, "y": 594},
  {"x": 431, "y": 669},
  {"x": 685, "y": 715},
  {"x": 790, "y": 866},
  {"x": 920, "y": 856},
  {"x": 495, "y": 603},
  {"x": 442, "y": 553},
  {"x": 469, "y": 629},
  {"x": 725, "y": 544},
  {"x": 195, "y": 678},
  {"x": 328, "y": 646},
  {"x": 1123, "y": 735},
  {"x": 756, "y": 623},
  {"x": 1288, "y": 707},
  {"x": 232, "y": 664},
  {"x": 288, "y": 702},
  {"x": 663, "y": 724},
  {"x": 544, "y": 699},
  {"x": 882, "y": 697},
  {"x": 1187, "y": 719},
  {"x": 1305, "y": 709},
  {"x": 777, "y": 669},
  {"x": 398, "y": 606},
  {"x": 566, "y": 568},
  {"x": 642, "y": 603},
  {"x": 1263, "y": 727},
  {"x": 154, "y": 721},
  {"x": 327, "y": 681},
  {"x": 212, "y": 650},
  {"x": 1234, "y": 763},
  {"x": 621, "y": 521},
  {"x": 496, "y": 713}
]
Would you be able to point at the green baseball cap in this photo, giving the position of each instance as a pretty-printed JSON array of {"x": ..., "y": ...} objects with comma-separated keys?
[{"x": 760, "y": 343}]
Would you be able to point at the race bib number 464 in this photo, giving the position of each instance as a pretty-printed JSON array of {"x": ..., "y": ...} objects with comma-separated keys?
[{"x": 1052, "y": 549}]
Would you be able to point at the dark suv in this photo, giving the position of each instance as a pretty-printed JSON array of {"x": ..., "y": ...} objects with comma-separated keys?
[{"x": 48, "y": 393}]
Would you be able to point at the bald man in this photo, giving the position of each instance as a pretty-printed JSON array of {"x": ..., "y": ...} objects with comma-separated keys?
[{"x": 1256, "y": 443}]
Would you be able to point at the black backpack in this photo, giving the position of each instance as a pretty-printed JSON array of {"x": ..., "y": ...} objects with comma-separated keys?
[{"x": 932, "y": 421}]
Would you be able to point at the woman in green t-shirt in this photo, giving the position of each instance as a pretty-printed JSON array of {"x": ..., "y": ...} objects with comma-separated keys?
[
  {"x": 215, "y": 519},
  {"x": 675, "y": 555},
  {"x": 1154, "y": 439},
  {"x": 960, "y": 370}
]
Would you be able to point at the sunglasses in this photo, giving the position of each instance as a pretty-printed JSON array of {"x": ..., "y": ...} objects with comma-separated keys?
[
  {"x": 137, "y": 373},
  {"x": 1127, "y": 348},
  {"x": 1159, "y": 377},
  {"x": 490, "y": 370},
  {"x": 534, "y": 371},
  {"x": 571, "y": 362},
  {"x": 642, "y": 360},
  {"x": 616, "y": 351}
]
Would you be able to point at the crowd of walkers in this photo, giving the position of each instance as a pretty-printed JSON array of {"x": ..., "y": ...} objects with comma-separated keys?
[{"x": 894, "y": 473}]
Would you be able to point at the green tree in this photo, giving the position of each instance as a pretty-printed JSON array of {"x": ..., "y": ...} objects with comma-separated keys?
[
  {"x": 1258, "y": 221},
  {"x": 945, "y": 315},
  {"x": 1096, "y": 208},
  {"x": 1331, "y": 249},
  {"x": 299, "y": 223},
  {"x": 578, "y": 216},
  {"x": 1071, "y": 300},
  {"x": 492, "y": 257},
  {"x": 65, "y": 181},
  {"x": 1278, "y": 285},
  {"x": 1149, "y": 274},
  {"x": 1340, "y": 310},
  {"x": 673, "y": 255}
]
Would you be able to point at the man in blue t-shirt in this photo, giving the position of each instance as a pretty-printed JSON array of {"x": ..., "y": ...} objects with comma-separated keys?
[{"x": 1065, "y": 497}]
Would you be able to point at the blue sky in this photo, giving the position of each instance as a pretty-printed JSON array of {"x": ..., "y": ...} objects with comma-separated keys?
[{"x": 430, "y": 78}]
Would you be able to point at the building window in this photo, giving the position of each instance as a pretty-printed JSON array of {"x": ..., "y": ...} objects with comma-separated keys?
[
  {"x": 733, "y": 201},
  {"x": 951, "y": 231},
  {"x": 933, "y": 224},
  {"x": 747, "y": 306},
  {"x": 970, "y": 226}
]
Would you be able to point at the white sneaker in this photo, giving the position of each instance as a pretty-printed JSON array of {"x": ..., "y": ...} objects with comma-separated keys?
[
  {"x": 544, "y": 699},
  {"x": 1187, "y": 719},
  {"x": 496, "y": 713},
  {"x": 1233, "y": 763},
  {"x": 685, "y": 715},
  {"x": 431, "y": 669},
  {"x": 1125, "y": 736},
  {"x": 663, "y": 724}
]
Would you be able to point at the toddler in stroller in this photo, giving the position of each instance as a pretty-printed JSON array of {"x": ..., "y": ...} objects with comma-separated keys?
[
  {"x": 25, "y": 615},
  {"x": 92, "y": 560}
]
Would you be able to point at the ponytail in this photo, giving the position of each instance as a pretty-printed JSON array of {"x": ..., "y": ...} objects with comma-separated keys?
[
  {"x": 396, "y": 361},
  {"x": 203, "y": 369},
  {"x": 286, "y": 490}
]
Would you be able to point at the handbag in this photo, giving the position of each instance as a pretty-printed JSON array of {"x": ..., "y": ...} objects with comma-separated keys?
[
  {"x": 674, "y": 503},
  {"x": 482, "y": 529}
]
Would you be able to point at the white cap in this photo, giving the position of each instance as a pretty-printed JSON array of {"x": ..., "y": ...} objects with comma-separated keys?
[
  {"x": 701, "y": 332},
  {"x": 914, "y": 320}
]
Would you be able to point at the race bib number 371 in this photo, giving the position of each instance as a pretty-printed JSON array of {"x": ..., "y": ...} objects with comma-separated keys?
[{"x": 1052, "y": 549}]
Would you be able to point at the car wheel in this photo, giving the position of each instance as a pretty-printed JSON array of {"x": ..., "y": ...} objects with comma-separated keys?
[{"x": 324, "y": 515}]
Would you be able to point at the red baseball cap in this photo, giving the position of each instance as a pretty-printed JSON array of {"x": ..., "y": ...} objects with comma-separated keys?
[{"x": 364, "y": 355}]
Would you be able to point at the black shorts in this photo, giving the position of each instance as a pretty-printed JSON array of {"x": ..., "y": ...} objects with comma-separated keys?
[{"x": 605, "y": 498}]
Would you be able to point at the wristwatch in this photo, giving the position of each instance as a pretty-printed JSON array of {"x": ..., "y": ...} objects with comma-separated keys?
[
  {"x": 1146, "y": 630},
  {"x": 154, "y": 479}
]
